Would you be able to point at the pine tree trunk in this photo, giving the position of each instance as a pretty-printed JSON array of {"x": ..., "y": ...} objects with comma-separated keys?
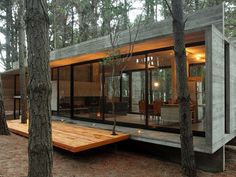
[
  {"x": 186, "y": 136},
  {"x": 3, "y": 124},
  {"x": 8, "y": 33},
  {"x": 22, "y": 57},
  {"x": 126, "y": 15},
  {"x": 94, "y": 25},
  {"x": 40, "y": 138}
]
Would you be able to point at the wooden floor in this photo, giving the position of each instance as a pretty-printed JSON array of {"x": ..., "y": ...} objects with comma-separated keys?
[{"x": 71, "y": 137}]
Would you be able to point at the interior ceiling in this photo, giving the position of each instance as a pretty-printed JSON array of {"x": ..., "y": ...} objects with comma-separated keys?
[{"x": 139, "y": 47}]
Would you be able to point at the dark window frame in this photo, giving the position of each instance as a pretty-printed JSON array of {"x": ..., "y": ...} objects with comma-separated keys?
[{"x": 146, "y": 126}]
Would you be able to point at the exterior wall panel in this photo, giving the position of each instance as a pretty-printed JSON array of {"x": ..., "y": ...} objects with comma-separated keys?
[
  {"x": 232, "y": 66},
  {"x": 218, "y": 86}
]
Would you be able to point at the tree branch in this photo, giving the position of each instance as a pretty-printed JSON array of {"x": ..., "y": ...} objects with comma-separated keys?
[{"x": 168, "y": 5}]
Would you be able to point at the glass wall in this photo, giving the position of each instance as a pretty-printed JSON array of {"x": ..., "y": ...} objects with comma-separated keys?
[
  {"x": 54, "y": 82},
  {"x": 124, "y": 90},
  {"x": 163, "y": 85},
  {"x": 87, "y": 100},
  {"x": 64, "y": 91},
  {"x": 139, "y": 90}
]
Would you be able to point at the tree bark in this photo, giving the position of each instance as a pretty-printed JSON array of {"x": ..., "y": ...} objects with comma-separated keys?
[
  {"x": 8, "y": 33},
  {"x": 22, "y": 57},
  {"x": 40, "y": 138},
  {"x": 186, "y": 136},
  {"x": 94, "y": 19},
  {"x": 3, "y": 124}
]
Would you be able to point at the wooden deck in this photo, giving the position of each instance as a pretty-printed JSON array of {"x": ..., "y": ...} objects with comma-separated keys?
[{"x": 72, "y": 137}]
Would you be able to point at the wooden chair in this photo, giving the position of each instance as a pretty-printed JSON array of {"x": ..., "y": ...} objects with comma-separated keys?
[
  {"x": 193, "y": 111},
  {"x": 157, "y": 109},
  {"x": 141, "y": 105}
]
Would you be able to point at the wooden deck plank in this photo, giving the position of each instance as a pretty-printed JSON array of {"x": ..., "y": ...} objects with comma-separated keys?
[{"x": 71, "y": 137}]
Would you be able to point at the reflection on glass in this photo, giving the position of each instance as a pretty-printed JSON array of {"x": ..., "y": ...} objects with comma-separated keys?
[
  {"x": 138, "y": 90},
  {"x": 125, "y": 88},
  {"x": 87, "y": 91},
  {"x": 122, "y": 95},
  {"x": 161, "y": 84},
  {"x": 64, "y": 91},
  {"x": 54, "y": 82}
]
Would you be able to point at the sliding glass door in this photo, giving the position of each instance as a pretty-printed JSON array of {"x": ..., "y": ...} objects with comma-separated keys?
[
  {"x": 64, "y": 91},
  {"x": 87, "y": 91},
  {"x": 138, "y": 90}
]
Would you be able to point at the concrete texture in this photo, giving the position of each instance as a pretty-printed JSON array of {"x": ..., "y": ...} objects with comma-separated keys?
[{"x": 197, "y": 20}]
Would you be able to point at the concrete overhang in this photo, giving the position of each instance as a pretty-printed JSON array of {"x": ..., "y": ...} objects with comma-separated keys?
[{"x": 149, "y": 36}]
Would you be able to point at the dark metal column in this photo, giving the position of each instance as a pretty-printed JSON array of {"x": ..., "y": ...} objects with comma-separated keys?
[
  {"x": 71, "y": 91},
  {"x": 103, "y": 91},
  {"x": 146, "y": 90}
]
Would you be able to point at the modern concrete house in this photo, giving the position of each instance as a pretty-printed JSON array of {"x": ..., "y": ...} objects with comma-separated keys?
[{"x": 146, "y": 104}]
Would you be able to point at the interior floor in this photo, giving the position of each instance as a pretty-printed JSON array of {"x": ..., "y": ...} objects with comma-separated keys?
[{"x": 140, "y": 119}]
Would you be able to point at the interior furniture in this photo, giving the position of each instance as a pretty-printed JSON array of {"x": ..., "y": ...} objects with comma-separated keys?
[
  {"x": 141, "y": 106},
  {"x": 121, "y": 108},
  {"x": 157, "y": 109},
  {"x": 170, "y": 113},
  {"x": 142, "y": 109}
]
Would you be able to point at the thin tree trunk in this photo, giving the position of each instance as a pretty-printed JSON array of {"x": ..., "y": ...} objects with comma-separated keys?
[
  {"x": 72, "y": 25},
  {"x": 54, "y": 25},
  {"x": 14, "y": 39},
  {"x": 22, "y": 57},
  {"x": 113, "y": 96},
  {"x": 3, "y": 124},
  {"x": 40, "y": 138},
  {"x": 186, "y": 136},
  {"x": 8, "y": 33},
  {"x": 126, "y": 15}
]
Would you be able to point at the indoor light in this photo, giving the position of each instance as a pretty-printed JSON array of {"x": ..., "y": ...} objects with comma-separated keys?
[
  {"x": 156, "y": 84},
  {"x": 198, "y": 57}
]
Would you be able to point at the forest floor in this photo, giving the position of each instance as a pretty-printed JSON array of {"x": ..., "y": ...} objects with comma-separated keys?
[{"x": 104, "y": 162}]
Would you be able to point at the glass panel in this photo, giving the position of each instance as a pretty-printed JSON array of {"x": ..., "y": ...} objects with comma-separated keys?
[
  {"x": 138, "y": 90},
  {"x": 161, "y": 84},
  {"x": 88, "y": 91},
  {"x": 125, "y": 88},
  {"x": 197, "y": 70},
  {"x": 64, "y": 91},
  {"x": 119, "y": 101},
  {"x": 116, "y": 80},
  {"x": 54, "y": 82},
  {"x": 163, "y": 109}
]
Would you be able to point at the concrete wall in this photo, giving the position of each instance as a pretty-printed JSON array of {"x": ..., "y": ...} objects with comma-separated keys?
[
  {"x": 215, "y": 83},
  {"x": 232, "y": 106},
  {"x": 199, "y": 19}
]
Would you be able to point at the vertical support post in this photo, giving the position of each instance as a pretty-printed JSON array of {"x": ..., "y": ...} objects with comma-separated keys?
[
  {"x": 150, "y": 85},
  {"x": 130, "y": 91},
  {"x": 227, "y": 87},
  {"x": 71, "y": 91},
  {"x": 121, "y": 86},
  {"x": 173, "y": 76},
  {"x": 14, "y": 97},
  {"x": 103, "y": 92},
  {"x": 146, "y": 90},
  {"x": 58, "y": 91}
]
